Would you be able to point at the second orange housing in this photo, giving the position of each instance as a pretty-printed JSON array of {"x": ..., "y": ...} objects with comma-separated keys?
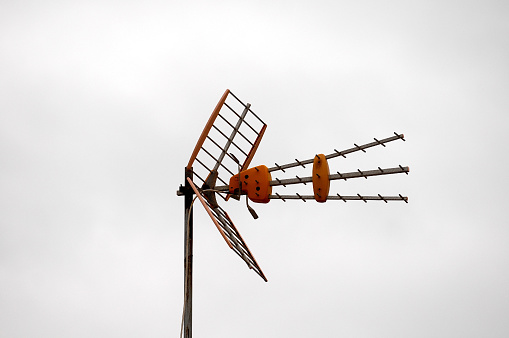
[{"x": 321, "y": 182}]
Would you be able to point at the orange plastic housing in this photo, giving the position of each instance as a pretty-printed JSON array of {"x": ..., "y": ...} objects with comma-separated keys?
[
  {"x": 254, "y": 182},
  {"x": 321, "y": 182}
]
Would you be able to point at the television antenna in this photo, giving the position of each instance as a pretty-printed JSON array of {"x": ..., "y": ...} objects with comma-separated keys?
[{"x": 222, "y": 157}]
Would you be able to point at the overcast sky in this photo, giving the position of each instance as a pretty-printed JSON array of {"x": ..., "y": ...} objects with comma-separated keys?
[{"x": 102, "y": 102}]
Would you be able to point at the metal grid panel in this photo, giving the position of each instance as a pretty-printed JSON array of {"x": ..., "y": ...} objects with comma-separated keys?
[
  {"x": 231, "y": 141},
  {"x": 237, "y": 243}
]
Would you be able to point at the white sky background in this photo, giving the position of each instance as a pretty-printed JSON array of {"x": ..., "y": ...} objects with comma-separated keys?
[{"x": 102, "y": 103}]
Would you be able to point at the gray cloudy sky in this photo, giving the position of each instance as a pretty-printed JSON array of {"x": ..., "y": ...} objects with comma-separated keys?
[{"x": 103, "y": 101}]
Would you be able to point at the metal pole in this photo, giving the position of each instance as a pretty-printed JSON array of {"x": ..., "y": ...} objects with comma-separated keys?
[{"x": 188, "y": 256}]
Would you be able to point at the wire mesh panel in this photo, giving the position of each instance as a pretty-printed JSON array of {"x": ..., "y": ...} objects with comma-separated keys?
[
  {"x": 226, "y": 147},
  {"x": 228, "y": 230},
  {"x": 228, "y": 141},
  {"x": 237, "y": 242}
]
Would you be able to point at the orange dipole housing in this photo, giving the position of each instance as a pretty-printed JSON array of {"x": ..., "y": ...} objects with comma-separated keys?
[
  {"x": 254, "y": 182},
  {"x": 321, "y": 182}
]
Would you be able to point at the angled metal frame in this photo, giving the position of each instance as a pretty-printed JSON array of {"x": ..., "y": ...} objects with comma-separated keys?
[
  {"x": 222, "y": 145},
  {"x": 212, "y": 173},
  {"x": 228, "y": 231}
]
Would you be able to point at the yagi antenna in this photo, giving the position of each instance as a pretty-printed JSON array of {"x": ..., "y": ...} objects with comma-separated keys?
[{"x": 219, "y": 167}]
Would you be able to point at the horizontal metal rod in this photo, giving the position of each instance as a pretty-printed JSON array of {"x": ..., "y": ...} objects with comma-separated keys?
[
  {"x": 338, "y": 176},
  {"x": 341, "y": 153},
  {"x": 368, "y": 173},
  {"x": 289, "y": 181},
  {"x": 342, "y": 198},
  {"x": 344, "y": 176},
  {"x": 222, "y": 188},
  {"x": 365, "y": 146}
]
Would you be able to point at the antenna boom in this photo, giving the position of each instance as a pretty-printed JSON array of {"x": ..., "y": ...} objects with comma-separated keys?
[{"x": 341, "y": 153}]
